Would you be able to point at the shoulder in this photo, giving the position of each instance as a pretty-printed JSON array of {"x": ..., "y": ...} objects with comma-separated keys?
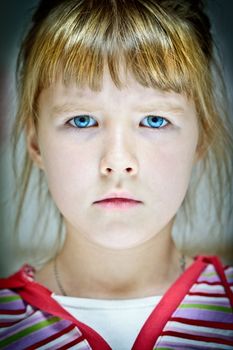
[
  {"x": 216, "y": 273},
  {"x": 23, "y": 325},
  {"x": 210, "y": 298},
  {"x": 13, "y": 307},
  {"x": 19, "y": 318},
  {"x": 30, "y": 318},
  {"x": 204, "y": 317}
]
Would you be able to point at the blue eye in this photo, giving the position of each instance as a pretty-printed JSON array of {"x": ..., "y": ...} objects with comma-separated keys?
[
  {"x": 156, "y": 122},
  {"x": 81, "y": 121}
]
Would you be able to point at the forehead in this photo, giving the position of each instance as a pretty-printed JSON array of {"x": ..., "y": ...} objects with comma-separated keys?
[{"x": 60, "y": 95}]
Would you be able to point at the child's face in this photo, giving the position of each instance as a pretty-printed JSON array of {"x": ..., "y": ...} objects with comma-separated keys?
[{"x": 76, "y": 161}]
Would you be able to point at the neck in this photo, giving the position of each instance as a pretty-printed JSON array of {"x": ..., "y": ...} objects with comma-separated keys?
[{"x": 92, "y": 271}]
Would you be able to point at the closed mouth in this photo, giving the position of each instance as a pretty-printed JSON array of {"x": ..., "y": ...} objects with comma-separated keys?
[{"x": 117, "y": 200}]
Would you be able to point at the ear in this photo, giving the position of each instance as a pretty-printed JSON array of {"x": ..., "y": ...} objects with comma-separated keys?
[{"x": 33, "y": 144}]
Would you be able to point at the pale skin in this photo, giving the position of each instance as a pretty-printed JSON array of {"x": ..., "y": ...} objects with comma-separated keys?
[{"x": 113, "y": 254}]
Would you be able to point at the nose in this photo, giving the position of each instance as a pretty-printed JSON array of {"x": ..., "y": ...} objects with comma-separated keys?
[{"x": 119, "y": 158}]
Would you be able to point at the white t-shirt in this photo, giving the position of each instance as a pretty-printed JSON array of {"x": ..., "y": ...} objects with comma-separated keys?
[{"x": 117, "y": 321}]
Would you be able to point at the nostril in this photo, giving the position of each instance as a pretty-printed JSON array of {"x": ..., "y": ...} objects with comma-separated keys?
[{"x": 110, "y": 170}]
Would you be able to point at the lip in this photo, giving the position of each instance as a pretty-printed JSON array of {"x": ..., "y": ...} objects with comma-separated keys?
[
  {"x": 118, "y": 203},
  {"x": 118, "y": 200},
  {"x": 121, "y": 195}
]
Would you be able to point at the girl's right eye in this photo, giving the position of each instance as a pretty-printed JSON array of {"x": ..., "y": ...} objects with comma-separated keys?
[
  {"x": 81, "y": 121},
  {"x": 85, "y": 121}
]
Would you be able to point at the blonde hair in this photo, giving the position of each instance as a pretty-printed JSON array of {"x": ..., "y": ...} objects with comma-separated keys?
[{"x": 163, "y": 44}]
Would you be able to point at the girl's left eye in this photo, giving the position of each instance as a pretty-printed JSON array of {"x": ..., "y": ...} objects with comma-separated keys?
[
  {"x": 83, "y": 121},
  {"x": 156, "y": 122}
]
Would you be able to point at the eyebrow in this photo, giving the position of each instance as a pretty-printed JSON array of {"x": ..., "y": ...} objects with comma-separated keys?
[
  {"x": 161, "y": 105},
  {"x": 150, "y": 107},
  {"x": 67, "y": 107},
  {"x": 173, "y": 109}
]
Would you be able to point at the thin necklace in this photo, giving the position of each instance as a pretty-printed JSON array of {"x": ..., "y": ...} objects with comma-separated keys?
[
  {"x": 182, "y": 262},
  {"x": 57, "y": 278}
]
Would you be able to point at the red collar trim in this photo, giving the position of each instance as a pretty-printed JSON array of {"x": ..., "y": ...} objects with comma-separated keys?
[
  {"x": 157, "y": 320},
  {"x": 40, "y": 297}
]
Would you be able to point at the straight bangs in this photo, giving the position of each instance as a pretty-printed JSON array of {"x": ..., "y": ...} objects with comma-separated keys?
[{"x": 77, "y": 41}]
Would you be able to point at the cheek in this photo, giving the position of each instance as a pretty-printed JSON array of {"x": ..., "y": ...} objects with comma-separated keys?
[
  {"x": 170, "y": 171},
  {"x": 68, "y": 170}
]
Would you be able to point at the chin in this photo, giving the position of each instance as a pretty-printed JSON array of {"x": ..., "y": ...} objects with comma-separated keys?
[{"x": 119, "y": 242}]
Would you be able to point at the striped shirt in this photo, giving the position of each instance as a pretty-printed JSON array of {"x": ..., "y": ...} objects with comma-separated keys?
[{"x": 195, "y": 313}]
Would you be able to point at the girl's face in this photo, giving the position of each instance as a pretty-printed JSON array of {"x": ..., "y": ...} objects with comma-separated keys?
[{"x": 137, "y": 140}]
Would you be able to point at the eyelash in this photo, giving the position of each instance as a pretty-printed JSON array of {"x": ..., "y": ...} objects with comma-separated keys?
[{"x": 159, "y": 118}]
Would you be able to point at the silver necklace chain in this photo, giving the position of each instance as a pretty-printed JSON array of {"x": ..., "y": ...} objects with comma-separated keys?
[
  {"x": 58, "y": 281},
  {"x": 56, "y": 274}
]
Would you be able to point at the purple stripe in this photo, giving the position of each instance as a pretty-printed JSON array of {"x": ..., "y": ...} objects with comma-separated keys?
[
  {"x": 184, "y": 346},
  {"x": 204, "y": 315},
  {"x": 18, "y": 317},
  {"x": 210, "y": 279},
  {"x": 64, "y": 342},
  {"x": 85, "y": 346},
  {"x": 201, "y": 289},
  {"x": 7, "y": 292},
  {"x": 43, "y": 334},
  {"x": 29, "y": 321},
  {"x": 208, "y": 302},
  {"x": 199, "y": 332},
  {"x": 13, "y": 305},
  {"x": 12, "y": 318}
]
